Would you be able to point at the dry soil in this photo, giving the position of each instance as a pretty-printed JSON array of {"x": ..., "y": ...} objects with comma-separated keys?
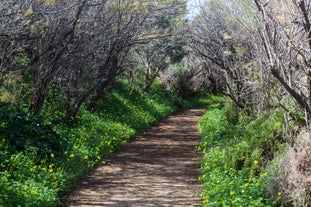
[{"x": 160, "y": 168}]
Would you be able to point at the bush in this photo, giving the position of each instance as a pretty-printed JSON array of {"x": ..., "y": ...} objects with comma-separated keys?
[
  {"x": 233, "y": 147},
  {"x": 25, "y": 130},
  {"x": 290, "y": 180}
]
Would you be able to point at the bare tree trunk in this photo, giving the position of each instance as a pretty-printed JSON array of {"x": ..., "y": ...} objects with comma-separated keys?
[
  {"x": 299, "y": 98},
  {"x": 41, "y": 90},
  {"x": 100, "y": 93},
  {"x": 38, "y": 97},
  {"x": 150, "y": 77}
]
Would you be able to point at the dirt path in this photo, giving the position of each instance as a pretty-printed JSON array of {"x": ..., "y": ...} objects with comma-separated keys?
[{"x": 159, "y": 169}]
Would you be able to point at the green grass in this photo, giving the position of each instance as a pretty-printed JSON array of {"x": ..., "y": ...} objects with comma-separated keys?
[
  {"x": 39, "y": 161},
  {"x": 234, "y": 147}
]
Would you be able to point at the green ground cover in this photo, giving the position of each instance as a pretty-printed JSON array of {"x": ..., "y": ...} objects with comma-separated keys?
[
  {"x": 39, "y": 161},
  {"x": 235, "y": 151}
]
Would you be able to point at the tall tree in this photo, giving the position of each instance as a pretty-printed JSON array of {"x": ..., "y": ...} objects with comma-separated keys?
[{"x": 218, "y": 38}]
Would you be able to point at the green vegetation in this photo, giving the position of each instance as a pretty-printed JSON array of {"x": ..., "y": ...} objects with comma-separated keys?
[
  {"x": 71, "y": 83},
  {"x": 39, "y": 161},
  {"x": 60, "y": 112},
  {"x": 235, "y": 150}
]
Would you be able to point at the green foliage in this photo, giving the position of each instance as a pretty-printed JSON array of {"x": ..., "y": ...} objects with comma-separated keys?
[
  {"x": 234, "y": 146},
  {"x": 134, "y": 109},
  {"x": 158, "y": 94},
  {"x": 13, "y": 89},
  {"x": 24, "y": 130},
  {"x": 40, "y": 161}
]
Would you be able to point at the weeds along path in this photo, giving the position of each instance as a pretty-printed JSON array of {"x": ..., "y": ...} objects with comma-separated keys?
[{"x": 161, "y": 168}]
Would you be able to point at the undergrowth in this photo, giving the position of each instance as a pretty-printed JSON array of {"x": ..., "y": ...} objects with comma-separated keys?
[
  {"x": 39, "y": 161},
  {"x": 290, "y": 170},
  {"x": 235, "y": 150}
]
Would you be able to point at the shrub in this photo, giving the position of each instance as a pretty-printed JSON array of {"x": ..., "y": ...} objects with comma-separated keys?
[
  {"x": 233, "y": 147},
  {"x": 25, "y": 130},
  {"x": 290, "y": 180}
]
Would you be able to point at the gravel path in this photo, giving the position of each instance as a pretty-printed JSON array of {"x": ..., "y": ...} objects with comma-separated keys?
[{"x": 161, "y": 168}]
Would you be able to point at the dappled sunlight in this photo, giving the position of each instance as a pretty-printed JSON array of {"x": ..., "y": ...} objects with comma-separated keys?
[{"x": 159, "y": 169}]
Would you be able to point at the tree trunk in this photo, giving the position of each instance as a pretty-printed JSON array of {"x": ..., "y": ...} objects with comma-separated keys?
[
  {"x": 299, "y": 98},
  {"x": 99, "y": 94},
  {"x": 38, "y": 98}
]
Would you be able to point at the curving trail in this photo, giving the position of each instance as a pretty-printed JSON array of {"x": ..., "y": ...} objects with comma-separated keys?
[{"x": 161, "y": 168}]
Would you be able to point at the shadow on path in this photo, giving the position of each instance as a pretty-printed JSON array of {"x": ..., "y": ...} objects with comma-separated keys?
[{"x": 161, "y": 168}]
